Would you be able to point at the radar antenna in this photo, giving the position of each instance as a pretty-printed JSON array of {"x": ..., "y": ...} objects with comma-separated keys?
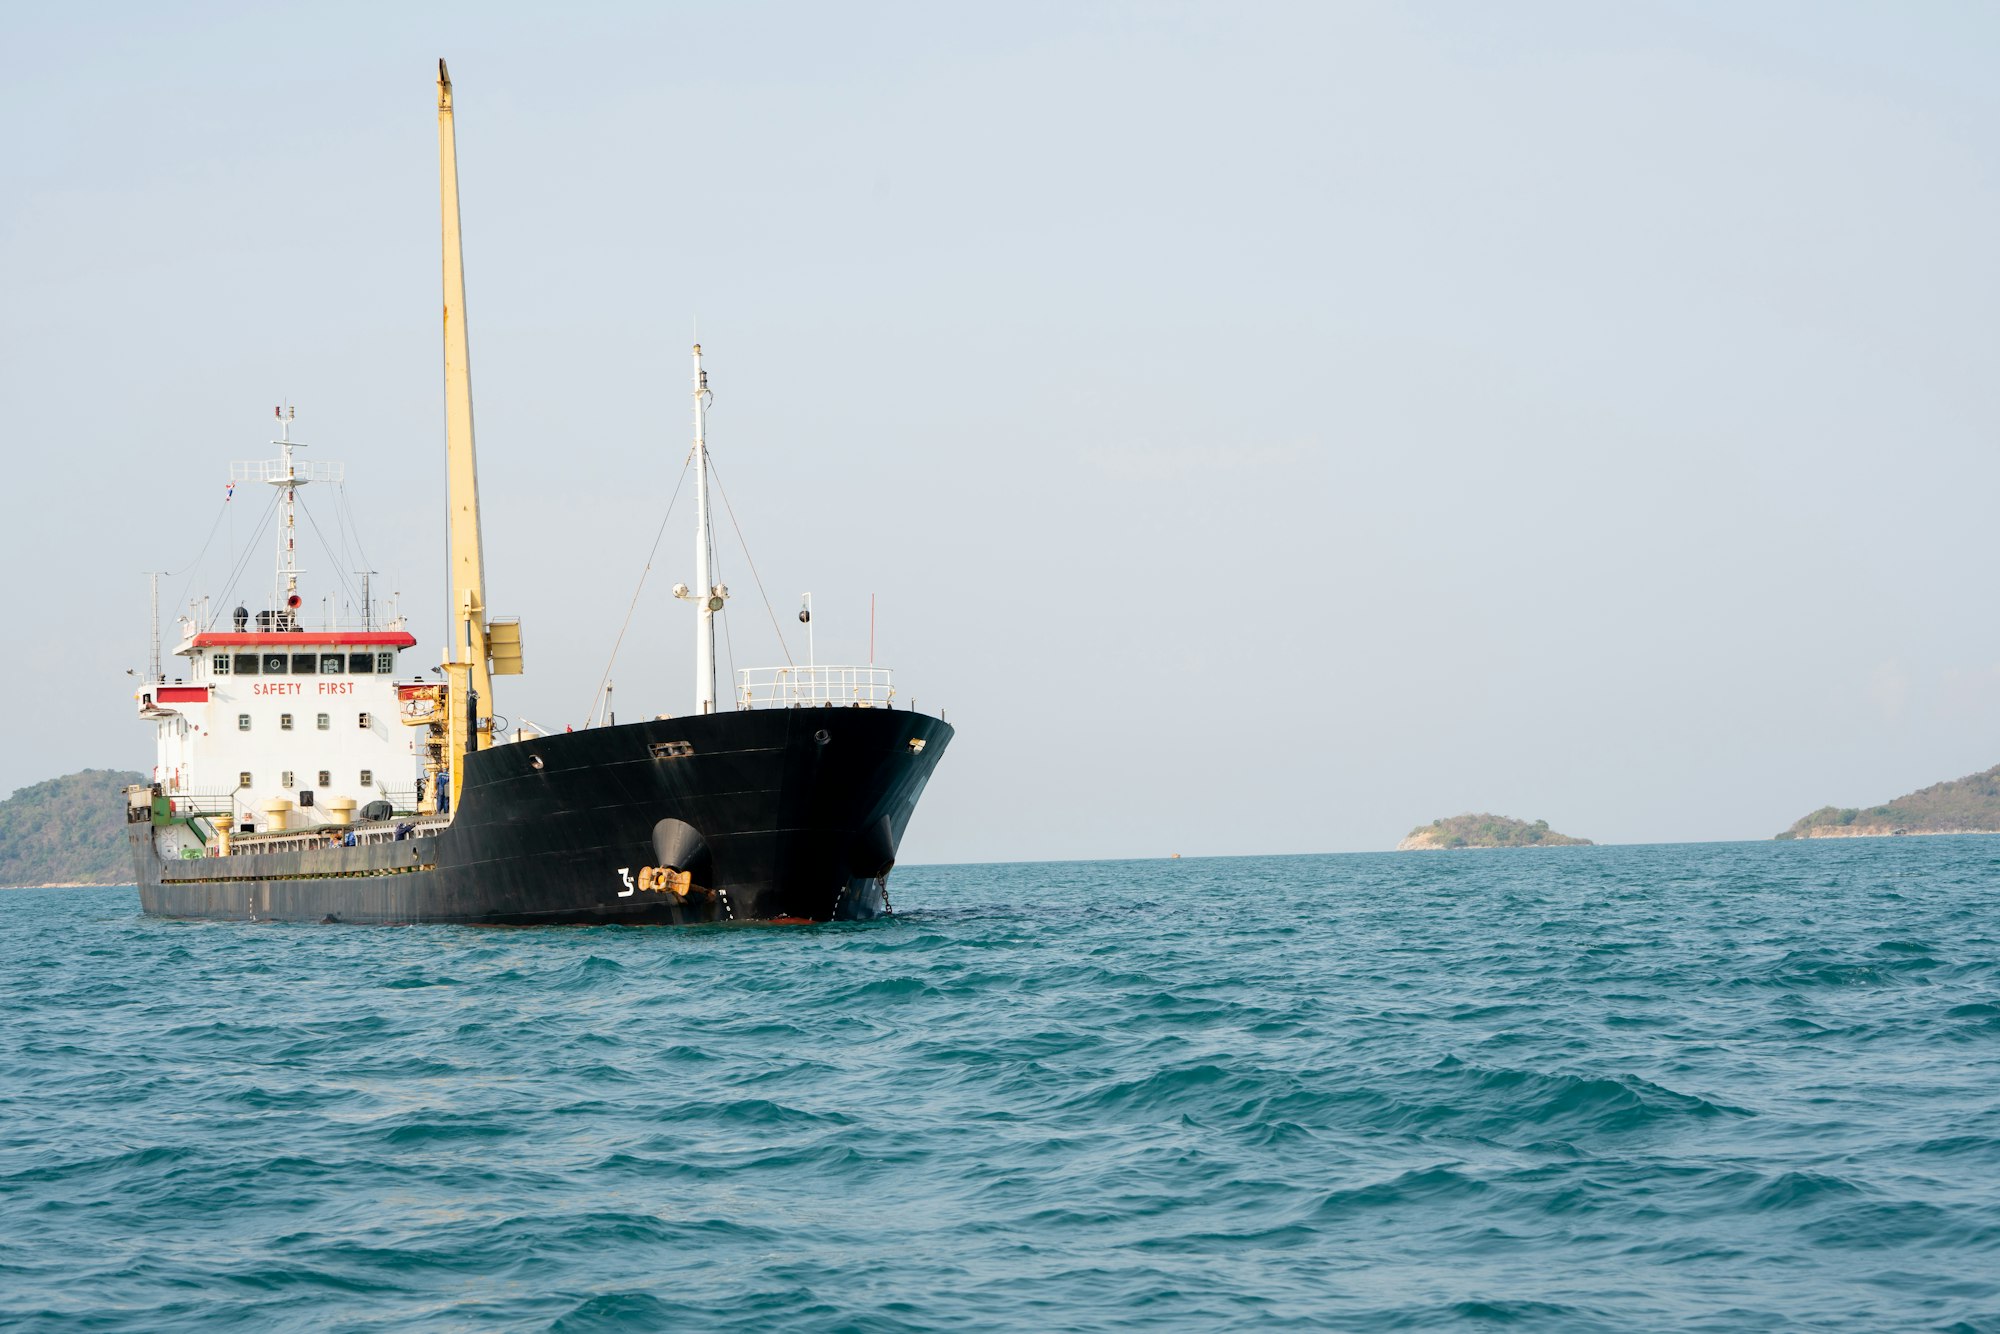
[{"x": 288, "y": 475}]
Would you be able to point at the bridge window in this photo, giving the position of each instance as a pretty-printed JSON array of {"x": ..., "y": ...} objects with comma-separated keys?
[
  {"x": 361, "y": 664},
  {"x": 284, "y": 722},
  {"x": 274, "y": 664},
  {"x": 385, "y": 663},
  {"x": 330, "y": 663},
  {"x": 243, "y": 722},
  {"x": 219, "y": 665},
  {"x": 303, "y": 664},
  {"x": 325, "y": 721},
  {"x": 246, "y": 664}
]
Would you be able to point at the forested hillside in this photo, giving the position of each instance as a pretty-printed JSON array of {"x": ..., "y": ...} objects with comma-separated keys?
[
  {"x": 1969, "y": 805},
  {"x": 67, "y": 831}
]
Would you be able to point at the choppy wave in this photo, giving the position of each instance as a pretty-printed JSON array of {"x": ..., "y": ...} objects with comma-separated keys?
[{"x": 1718, "y": 1087}]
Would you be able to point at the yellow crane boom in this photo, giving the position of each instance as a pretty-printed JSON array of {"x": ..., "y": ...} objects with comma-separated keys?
[{"x": 477, "y": 649}]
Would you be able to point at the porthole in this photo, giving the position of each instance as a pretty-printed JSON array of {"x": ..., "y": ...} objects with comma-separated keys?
[{"x": 822, "y": 736}]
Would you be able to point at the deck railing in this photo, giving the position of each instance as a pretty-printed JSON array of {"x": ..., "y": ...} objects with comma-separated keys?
[
  {"x": 814, "y": 687},
  {"x": 273, "y": 471},
  {"x": 314, "y": 620},
  {"x": 240, "y": 803}
]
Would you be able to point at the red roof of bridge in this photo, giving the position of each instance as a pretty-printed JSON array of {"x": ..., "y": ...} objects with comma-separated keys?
[{"x": 306, "y": 639}]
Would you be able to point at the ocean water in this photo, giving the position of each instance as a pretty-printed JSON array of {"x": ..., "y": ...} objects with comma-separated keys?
[{"x": 1709, "y": 1087}]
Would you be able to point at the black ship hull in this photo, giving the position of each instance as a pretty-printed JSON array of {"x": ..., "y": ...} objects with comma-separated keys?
[{"x": 754, "y": 815}]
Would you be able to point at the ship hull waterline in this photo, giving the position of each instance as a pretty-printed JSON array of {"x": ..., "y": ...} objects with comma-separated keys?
[{"x": 754, "y": 815}]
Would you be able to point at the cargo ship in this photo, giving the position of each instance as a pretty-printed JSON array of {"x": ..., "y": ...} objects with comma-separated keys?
[{"x": 305, "y": 771}]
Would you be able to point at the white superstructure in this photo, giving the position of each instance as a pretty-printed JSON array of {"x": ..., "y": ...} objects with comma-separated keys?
[
  {"x": 277, "y": 724},
  {"x": 284, "y": 729}
]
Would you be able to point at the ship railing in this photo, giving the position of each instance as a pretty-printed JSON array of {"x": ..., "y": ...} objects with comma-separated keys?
[
  {"x": 288, "y": 622},
  {"x": 273, "y": 471},
  {"x": 187, "y": 803},
  {"x": 233, "y": 806},
  {"x": 364, "y": 833},
  {"x": 814, "y": 687}
]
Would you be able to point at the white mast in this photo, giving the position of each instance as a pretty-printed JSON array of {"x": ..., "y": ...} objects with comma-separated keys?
[
  {"x": 704, "y": 550},
  {"x": 154, "y": 674},
  {"x": 710, "y": 596},
  {"x": 288, "y": 476},
  {"x": 289, "y": 481}
]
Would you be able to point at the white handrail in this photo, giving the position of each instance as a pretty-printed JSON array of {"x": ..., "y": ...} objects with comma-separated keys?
[
  {"x": 813, "y": 687},
  {"x": 274, "y": 471}
]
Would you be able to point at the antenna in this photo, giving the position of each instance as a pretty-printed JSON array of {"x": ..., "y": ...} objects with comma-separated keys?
[
  {"x": 288, "y": 476},
  {"x": 153, "y": 577}
]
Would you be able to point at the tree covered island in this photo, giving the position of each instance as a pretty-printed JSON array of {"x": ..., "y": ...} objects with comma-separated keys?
[
  {"x": 1486, "y": 831},
  {"x": 67, "y": 831},
  {"x": 1968, "y": 805}
]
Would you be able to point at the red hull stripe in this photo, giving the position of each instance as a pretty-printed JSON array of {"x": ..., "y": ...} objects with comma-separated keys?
[{"x": 368, "y": 638}]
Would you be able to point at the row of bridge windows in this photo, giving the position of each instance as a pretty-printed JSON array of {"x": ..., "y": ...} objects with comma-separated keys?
[{"x": 302, "y": 664}]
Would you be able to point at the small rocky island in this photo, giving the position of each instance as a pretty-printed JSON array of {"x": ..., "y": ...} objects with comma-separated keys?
[
  {"x": 1486, "y": 831},
  {"x": 1968, "y": 805}
]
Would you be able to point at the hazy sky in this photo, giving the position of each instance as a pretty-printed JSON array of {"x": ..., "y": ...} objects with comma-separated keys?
[{"x": 1266, "y": 428}]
